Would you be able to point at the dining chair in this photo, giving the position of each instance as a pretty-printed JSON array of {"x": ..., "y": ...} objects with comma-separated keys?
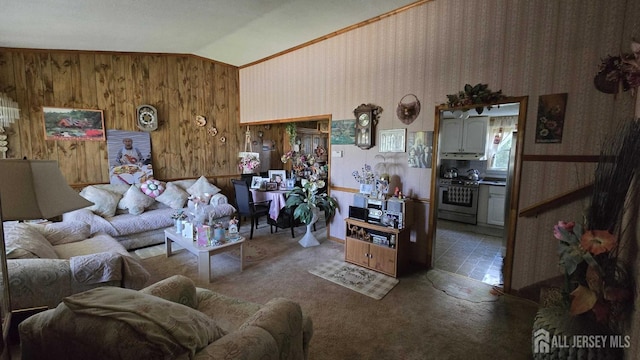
[{"x": 247, "y": 207}]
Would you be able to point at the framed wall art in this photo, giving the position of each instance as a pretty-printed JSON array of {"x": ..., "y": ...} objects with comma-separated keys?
[
  {"x": 343, "y": 132},
  {"x": 550, "y": 122},
  {"x": 392, "y": 140},
  {"x": 73, "y": 124}
]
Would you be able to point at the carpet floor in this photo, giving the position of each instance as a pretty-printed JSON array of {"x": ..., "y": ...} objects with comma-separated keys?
[{"x": 415, "y": 320}]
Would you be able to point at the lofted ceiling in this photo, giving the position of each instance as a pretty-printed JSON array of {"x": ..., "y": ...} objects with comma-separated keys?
[{"x": 236, "y": 32}]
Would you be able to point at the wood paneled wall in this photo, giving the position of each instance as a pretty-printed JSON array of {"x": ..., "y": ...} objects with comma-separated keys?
[{"x": 179, "y": 86}]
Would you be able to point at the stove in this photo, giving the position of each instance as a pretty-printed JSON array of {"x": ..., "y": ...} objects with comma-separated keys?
[
  {"x": 459, "y": 182},
  {"x": 458, "y": 199}
]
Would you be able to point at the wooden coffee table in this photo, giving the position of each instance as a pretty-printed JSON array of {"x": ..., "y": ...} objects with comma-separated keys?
[{"x": 203, "y": 253}]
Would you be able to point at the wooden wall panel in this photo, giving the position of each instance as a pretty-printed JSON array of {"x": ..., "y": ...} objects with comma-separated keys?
[{"x": 179, "y": 86}]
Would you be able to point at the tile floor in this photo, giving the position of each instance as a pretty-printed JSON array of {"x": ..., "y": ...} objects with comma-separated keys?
[{"x": 462, "y": 250}]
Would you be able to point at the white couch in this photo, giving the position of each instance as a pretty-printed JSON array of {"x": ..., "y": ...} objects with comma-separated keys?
[
  {"x": 137, "y": 220},
  {"x": 47, "y": 262}
]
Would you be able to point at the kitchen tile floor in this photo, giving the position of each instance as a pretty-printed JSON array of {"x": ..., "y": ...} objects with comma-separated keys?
[{"x": 462, "y": 250}]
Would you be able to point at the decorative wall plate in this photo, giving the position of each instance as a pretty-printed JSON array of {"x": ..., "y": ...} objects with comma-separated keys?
[
  {"x": 201, "y": 121},
  {"x": 147, "y": 118},
  {"x": 223, "y": 139},
  {"x": 213, "y": 131}
]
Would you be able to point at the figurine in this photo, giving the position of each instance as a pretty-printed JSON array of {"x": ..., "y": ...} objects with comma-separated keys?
[{"x": 233, "y": 226}]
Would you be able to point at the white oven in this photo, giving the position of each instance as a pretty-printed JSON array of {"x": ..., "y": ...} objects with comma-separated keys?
[{"x": 458, "y": 200}]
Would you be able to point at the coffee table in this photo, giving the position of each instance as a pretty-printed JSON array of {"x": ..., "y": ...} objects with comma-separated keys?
[{"x": 203, "y": 253}]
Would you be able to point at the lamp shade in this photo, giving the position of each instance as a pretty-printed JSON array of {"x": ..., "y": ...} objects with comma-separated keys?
[{"x": 35, "y": 189}]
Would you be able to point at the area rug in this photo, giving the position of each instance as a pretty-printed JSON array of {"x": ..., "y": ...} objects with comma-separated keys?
[
  {"x": 461, "y": 287},
  {"x": 364, "y": 281}
]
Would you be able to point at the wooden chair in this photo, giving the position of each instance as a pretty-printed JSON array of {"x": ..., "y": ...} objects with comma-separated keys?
[{"x": 247, "y": 207}]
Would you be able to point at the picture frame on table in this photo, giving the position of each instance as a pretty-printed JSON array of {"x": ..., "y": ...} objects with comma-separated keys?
[
  {"x": 277, "y": 176},
  {"x": 256, "y": 181},
  {"x": 271, "y": 185}
]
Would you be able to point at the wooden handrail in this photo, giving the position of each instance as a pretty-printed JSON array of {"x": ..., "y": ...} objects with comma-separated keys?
[{"x": 554, "y": 202}]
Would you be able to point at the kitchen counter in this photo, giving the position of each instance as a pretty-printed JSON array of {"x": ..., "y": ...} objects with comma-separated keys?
[{"x": 493, "y": 182}]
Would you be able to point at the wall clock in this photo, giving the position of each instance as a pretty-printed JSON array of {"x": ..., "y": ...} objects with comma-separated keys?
[
  {"x": 366, "y": 120},
  {"x": 147, "y": 118}
]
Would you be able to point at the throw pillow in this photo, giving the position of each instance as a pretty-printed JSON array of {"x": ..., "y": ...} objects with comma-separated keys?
[
  {"x": 203, "y": 186},
  {"x": 23, "y": 241},
  {"x": 173, "y": 196},
  {"x": 135, "y": 201},
  {"x": 152, "y": 187},
  {"x": 105, "y": 202},
  {"x": 63, "y": 232}
]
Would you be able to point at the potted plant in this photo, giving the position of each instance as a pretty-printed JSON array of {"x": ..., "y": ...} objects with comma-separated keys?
[{"x": 306, "y": 202}]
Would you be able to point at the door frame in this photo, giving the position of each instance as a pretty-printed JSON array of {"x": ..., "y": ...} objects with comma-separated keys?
[{"x": 511, "y": 213}]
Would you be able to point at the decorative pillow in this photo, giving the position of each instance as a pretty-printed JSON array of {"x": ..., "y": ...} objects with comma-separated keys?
[
  {"x": 153, "y": 188},
  {"x": 23, "y": 241},
  {"x": 135, "y": 201},
  {"x": 105, "y": 202},
  {"x": 203, "y": 186},
  {"x": 58, "y": 233},
  {"x": 173, "y": 196}
]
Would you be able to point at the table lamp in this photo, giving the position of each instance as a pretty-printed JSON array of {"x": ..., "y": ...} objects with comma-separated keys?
[{"x": 30, "y": 189}]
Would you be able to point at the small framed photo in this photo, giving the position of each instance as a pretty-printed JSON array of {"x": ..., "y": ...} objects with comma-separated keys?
[
  {"x": 272, "y": 186},
  {"x": 256, "y": 181},
  {"x": 393, "y": 140},
  {"x": 277, "y": 176}
]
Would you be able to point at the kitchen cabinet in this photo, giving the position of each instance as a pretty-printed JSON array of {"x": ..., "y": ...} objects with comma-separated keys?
[
  {"x": 495, "y": 206},
  {"x": 388, "y": 256},
  {"x": 464, "y": 135}
]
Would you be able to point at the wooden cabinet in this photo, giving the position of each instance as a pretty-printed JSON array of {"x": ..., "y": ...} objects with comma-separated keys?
[
  {"x": 495, "y": 206},
  {"x": 360, "y": 249},
  {"x": 464, "y": 135}
]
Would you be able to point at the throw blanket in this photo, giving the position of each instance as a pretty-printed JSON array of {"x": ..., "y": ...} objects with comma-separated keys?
[
  {"x": 162, "y": 323},
  {"x": 108, "y": 266},
  {"x": 459, "y": 195}
]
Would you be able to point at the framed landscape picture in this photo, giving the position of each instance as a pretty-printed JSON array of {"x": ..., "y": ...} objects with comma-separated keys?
[
  {"x": 343, "y": 132},
  {"x": 73, "y": 124}
]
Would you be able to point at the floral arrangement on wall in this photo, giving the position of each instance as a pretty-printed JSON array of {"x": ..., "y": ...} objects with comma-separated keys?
[
  {"x": 477, "y": 94},
  {"x": 249, "y": 163}
]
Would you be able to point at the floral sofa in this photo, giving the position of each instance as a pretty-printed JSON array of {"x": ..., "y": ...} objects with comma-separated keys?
[
  {"x": 47, "y": 262},
  {"x": 171, "y": 319},
  {"x": 138, "y": 219}
]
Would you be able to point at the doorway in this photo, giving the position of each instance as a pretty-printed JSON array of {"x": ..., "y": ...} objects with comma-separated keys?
[{"x": 462, "y": 247}]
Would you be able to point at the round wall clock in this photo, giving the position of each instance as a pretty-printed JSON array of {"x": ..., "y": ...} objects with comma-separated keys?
[{"x": 147, "y": 118}]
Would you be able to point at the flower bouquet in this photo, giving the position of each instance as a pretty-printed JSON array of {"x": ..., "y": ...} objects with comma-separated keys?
[
  {"x": 594, "y": 257},
  {"x": 249, "y": 162}
]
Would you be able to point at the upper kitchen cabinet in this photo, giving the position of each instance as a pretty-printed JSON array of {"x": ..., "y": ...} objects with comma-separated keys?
[{"x": 463, "y": 138}]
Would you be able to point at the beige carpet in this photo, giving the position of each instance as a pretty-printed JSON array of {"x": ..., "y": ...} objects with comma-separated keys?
[
  {"x": 356, "y": 278},
  {"x": 414, "y": 321}
]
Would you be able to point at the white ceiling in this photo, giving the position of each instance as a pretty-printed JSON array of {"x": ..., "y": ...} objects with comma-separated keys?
[{"x": 235, "y": 32}]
